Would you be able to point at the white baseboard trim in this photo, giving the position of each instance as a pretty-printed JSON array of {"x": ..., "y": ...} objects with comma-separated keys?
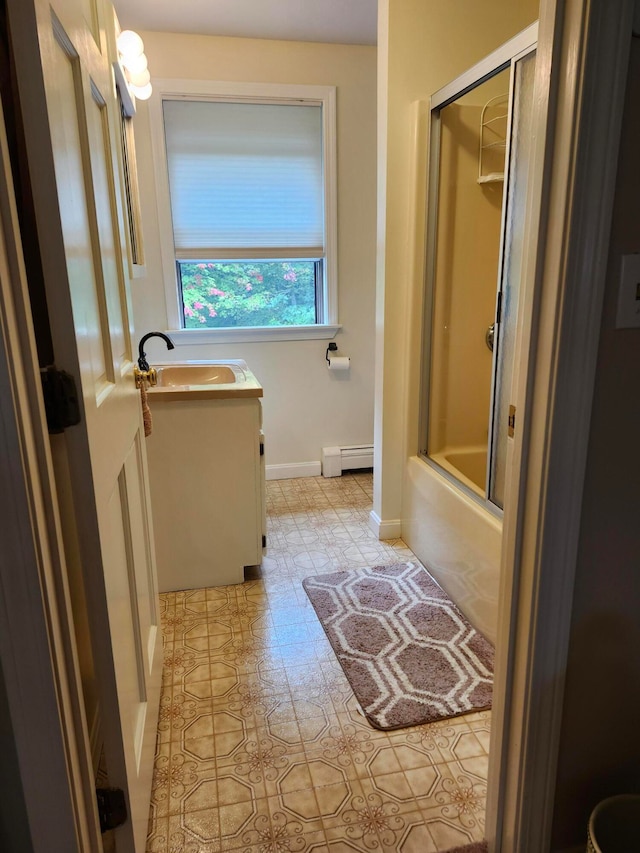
[
  {"x": 293, "y": 470},
  {"x": 391, "y": 529}
]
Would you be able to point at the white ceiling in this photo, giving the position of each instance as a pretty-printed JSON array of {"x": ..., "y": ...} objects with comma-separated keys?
[{"x": 341, "y": 21}]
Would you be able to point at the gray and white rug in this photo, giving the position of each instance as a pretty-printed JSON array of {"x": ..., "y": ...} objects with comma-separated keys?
[{"x": 409, "y": 654}]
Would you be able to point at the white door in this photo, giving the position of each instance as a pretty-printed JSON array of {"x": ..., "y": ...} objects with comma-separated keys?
[{"x": 86, "y": 273}]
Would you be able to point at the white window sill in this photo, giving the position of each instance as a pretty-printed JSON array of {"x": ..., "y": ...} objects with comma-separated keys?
[{"x": 188, "y": 337}]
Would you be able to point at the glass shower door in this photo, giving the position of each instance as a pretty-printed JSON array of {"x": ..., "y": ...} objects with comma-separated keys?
[
  {"x": 472, "y": 132},
  {"x": 480, "y": 151}
]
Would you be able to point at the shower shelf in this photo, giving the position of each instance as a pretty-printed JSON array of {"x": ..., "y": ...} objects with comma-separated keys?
[{"x": 493, "y": 137}]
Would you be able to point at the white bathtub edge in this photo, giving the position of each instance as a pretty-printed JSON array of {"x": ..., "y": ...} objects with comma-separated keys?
[{"x": 457, "y": 539}]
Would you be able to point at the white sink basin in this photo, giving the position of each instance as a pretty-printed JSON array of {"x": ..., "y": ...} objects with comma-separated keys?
[
  {"x": 196, "y": 374},
  {"x": 203, "y": 380}
]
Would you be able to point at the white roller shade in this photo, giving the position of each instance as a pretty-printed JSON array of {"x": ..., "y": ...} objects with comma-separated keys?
[{"x": 245, "y": 177}]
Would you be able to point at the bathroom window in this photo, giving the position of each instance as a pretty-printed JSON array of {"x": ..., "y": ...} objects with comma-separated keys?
[{"x": 250, "y": 203}]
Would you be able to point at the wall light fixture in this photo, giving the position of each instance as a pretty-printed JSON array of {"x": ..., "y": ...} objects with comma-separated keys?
[{"x": 131, "y": 70}]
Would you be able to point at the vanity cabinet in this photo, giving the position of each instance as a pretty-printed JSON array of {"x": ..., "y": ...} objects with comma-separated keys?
[{"x": 206, "y": 474}]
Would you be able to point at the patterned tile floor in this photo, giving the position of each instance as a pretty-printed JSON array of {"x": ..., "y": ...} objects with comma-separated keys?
[{"x": 261, "y": 746}]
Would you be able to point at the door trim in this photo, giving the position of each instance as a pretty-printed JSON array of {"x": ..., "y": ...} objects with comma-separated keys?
[{"x": 584, "y": 50}]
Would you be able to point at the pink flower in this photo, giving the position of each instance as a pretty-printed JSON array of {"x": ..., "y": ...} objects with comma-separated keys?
[
  {"x": 213, "y": 312},
  {"x": 290, "y": 276},
  {"x": 210, "y": 266},
  {"x": 187, "y": 311},
  {"x": 213, "y": 291},
  {"x": 259, "y": 278},
  {"x": 202, "y": 266},
  {"x": 248, "y": 287},
  {"x": 198, "y": 305}
]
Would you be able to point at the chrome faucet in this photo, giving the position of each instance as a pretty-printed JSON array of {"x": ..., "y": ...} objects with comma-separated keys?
[{"x": 143, "y": 364}]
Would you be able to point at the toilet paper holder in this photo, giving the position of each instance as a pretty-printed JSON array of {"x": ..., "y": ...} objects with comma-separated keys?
[
  {"x": 333, "y": 347},
  {"x": 336, "y": 362}
]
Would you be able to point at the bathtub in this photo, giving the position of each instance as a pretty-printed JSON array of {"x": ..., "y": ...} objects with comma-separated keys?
[
  {"x": 467, "y": 464},
  {"x": 456, "y": 537}
]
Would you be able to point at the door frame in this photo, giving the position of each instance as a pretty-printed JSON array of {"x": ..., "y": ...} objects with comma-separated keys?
[
  {"x": 583, "y": 44},
  {"x": 38, "y": 654},
  {"x": 583, "y": 53}
]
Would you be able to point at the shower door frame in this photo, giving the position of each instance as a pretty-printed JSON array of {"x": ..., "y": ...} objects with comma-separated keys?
[{"x": 504, "y": 57}]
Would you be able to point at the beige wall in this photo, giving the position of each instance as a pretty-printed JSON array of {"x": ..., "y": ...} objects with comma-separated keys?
[
  {"x": 600, "y": 743},
  {"x": 305, "y": 407},
  {"x": 423, "y": 44}
]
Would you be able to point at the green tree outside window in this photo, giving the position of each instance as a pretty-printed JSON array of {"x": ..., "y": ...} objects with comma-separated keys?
[{"x": 229, "y": 294}]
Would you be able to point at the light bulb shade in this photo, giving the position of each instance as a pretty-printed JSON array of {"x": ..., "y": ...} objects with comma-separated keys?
[
  {"x": 141, "y": 79},
  {"x": 130, "y": 44},
  {"x": 135, "y": 64},
  {"x": 142, "y": 93}
]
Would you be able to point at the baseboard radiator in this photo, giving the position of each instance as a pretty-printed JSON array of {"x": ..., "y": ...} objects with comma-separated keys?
[{"x": 335, "y": 460}]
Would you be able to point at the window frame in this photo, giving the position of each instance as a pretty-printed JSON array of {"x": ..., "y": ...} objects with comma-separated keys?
[{"x": 204, "y": 90}]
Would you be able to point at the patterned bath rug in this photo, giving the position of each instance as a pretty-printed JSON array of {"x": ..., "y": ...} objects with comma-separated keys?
[{"x": 409, "y": 654}]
